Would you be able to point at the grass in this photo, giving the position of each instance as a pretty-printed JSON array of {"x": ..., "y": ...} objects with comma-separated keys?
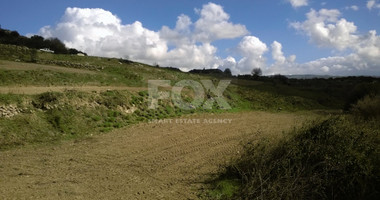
[
  {"x": 113, "y": 71},
  {"x": 56, "y": 116},
  {"x": 70, "y": 114},
  {"x": 54, "y": 78},
  {"x": 333, "y": 158},
  {"x": 7, "y": 99}
]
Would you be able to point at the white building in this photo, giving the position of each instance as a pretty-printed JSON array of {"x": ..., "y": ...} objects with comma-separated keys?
[{"x": 47, "y": 50}]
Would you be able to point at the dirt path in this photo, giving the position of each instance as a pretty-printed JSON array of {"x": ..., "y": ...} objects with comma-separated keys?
[
  {"x": 145, "y": 161},
  {"x": 42, "y": 89}
]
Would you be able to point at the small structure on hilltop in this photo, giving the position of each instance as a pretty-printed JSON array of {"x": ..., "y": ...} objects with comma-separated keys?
[{"x": 47, "y": 50}]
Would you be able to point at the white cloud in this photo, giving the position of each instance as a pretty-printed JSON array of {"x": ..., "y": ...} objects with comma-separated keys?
[
  {"x": 326, "y": 30},
  {"x": 99, "y": 32},
  {"x": 282, "y": 64},
  {"x": 191, "y": 56},
  {"x": 353, "y": 7},
  {"x": 189, "y": 44},
  {"x": 230, "y": 63},
  {"x": 214, "y": 24},
  {"x": 277, "y": 53},
  {"x": 251, "y": 46},
  {"x": 181, "y": 34},
  {"x": 252, "y": 49},
  {"x": 298, "y": 3},
  {"x": 373, "y": 4},
  {"x": 325, "y": 69}
]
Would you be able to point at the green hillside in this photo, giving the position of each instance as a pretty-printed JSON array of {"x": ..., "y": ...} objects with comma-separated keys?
[{"x": 30, "y": 116}]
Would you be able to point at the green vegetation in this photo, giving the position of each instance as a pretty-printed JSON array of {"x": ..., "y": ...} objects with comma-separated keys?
[
  {"x": 72, "y": 113},
  {"x": 333, "y": 158},
  {"x": 53, "y": 116},
  {"x": 367, "y": 107}
]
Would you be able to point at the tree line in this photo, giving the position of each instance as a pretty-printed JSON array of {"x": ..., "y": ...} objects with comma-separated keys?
[{"x": 35, "y": 42}]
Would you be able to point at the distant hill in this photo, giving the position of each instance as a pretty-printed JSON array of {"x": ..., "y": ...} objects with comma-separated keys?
[{"x": 309, "y": 76}]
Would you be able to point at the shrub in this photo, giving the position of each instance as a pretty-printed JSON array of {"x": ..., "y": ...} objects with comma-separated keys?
[
  {"x": 368, "y": 107},
  {"x": 360, "y": 91},
  {"x": 333, "y": 159},
  {"x": 45, "y": 99}
]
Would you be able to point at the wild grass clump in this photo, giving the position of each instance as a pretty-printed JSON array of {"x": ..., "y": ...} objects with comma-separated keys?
[
  {"x": 45, "y": 99},
  {"x": 337, "y": 158},
  {"x": 368, "y": 107}
]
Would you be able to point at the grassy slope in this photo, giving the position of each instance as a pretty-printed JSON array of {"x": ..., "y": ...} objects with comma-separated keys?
[{"x": 54, "y": 116}]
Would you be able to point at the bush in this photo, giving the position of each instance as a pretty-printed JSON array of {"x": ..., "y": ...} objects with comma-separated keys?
[
  {"x": 44, "y": 100},
  {"x": 333, "y": 159},
  {"x": 360, "y": 91},
  {"x": 368, "y": 107}
]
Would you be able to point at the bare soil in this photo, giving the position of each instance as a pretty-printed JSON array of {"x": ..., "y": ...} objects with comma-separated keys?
[{"x": 168, "y": 160}]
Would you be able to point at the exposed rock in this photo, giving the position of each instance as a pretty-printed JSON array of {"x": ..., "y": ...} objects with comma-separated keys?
[{"x": 9, "y": 111}]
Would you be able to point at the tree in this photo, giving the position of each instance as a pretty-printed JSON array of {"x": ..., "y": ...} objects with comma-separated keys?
[
  {"x": 73, "y": 51},
  {"x": 227, "y": 72},
  {"x": 56, "y": 45},
  {"x": 256, "y": 72},
  {"x": 36, "y": 42}
]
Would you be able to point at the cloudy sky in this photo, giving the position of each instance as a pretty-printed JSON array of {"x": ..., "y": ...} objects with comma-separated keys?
[{"x": 339, "y": 37}]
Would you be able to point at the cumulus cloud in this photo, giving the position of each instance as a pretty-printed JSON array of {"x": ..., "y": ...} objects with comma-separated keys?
[
  {"x": 282, "y": 64},
  {"x": 230, "y": 63},
  {"x": 188, "y": 45},
  {"x": 298, "y": 3},
  {"x": 277, "y": 53},
  {"x": 325, "y": 28},
  {"x": 98, "y": 32},
  {"x": 252, "y": 49},
  {"x": 214, "y": 24}
]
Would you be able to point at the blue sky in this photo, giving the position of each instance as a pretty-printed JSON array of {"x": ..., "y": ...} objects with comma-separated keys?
[{"x": 240, "y": 37}]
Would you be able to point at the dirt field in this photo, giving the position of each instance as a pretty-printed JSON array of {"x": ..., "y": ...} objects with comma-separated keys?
[{"x": 168, "y": 160}]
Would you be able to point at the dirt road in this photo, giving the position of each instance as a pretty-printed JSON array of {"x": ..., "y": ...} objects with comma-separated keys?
[{"x": 168, "y": 160}]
